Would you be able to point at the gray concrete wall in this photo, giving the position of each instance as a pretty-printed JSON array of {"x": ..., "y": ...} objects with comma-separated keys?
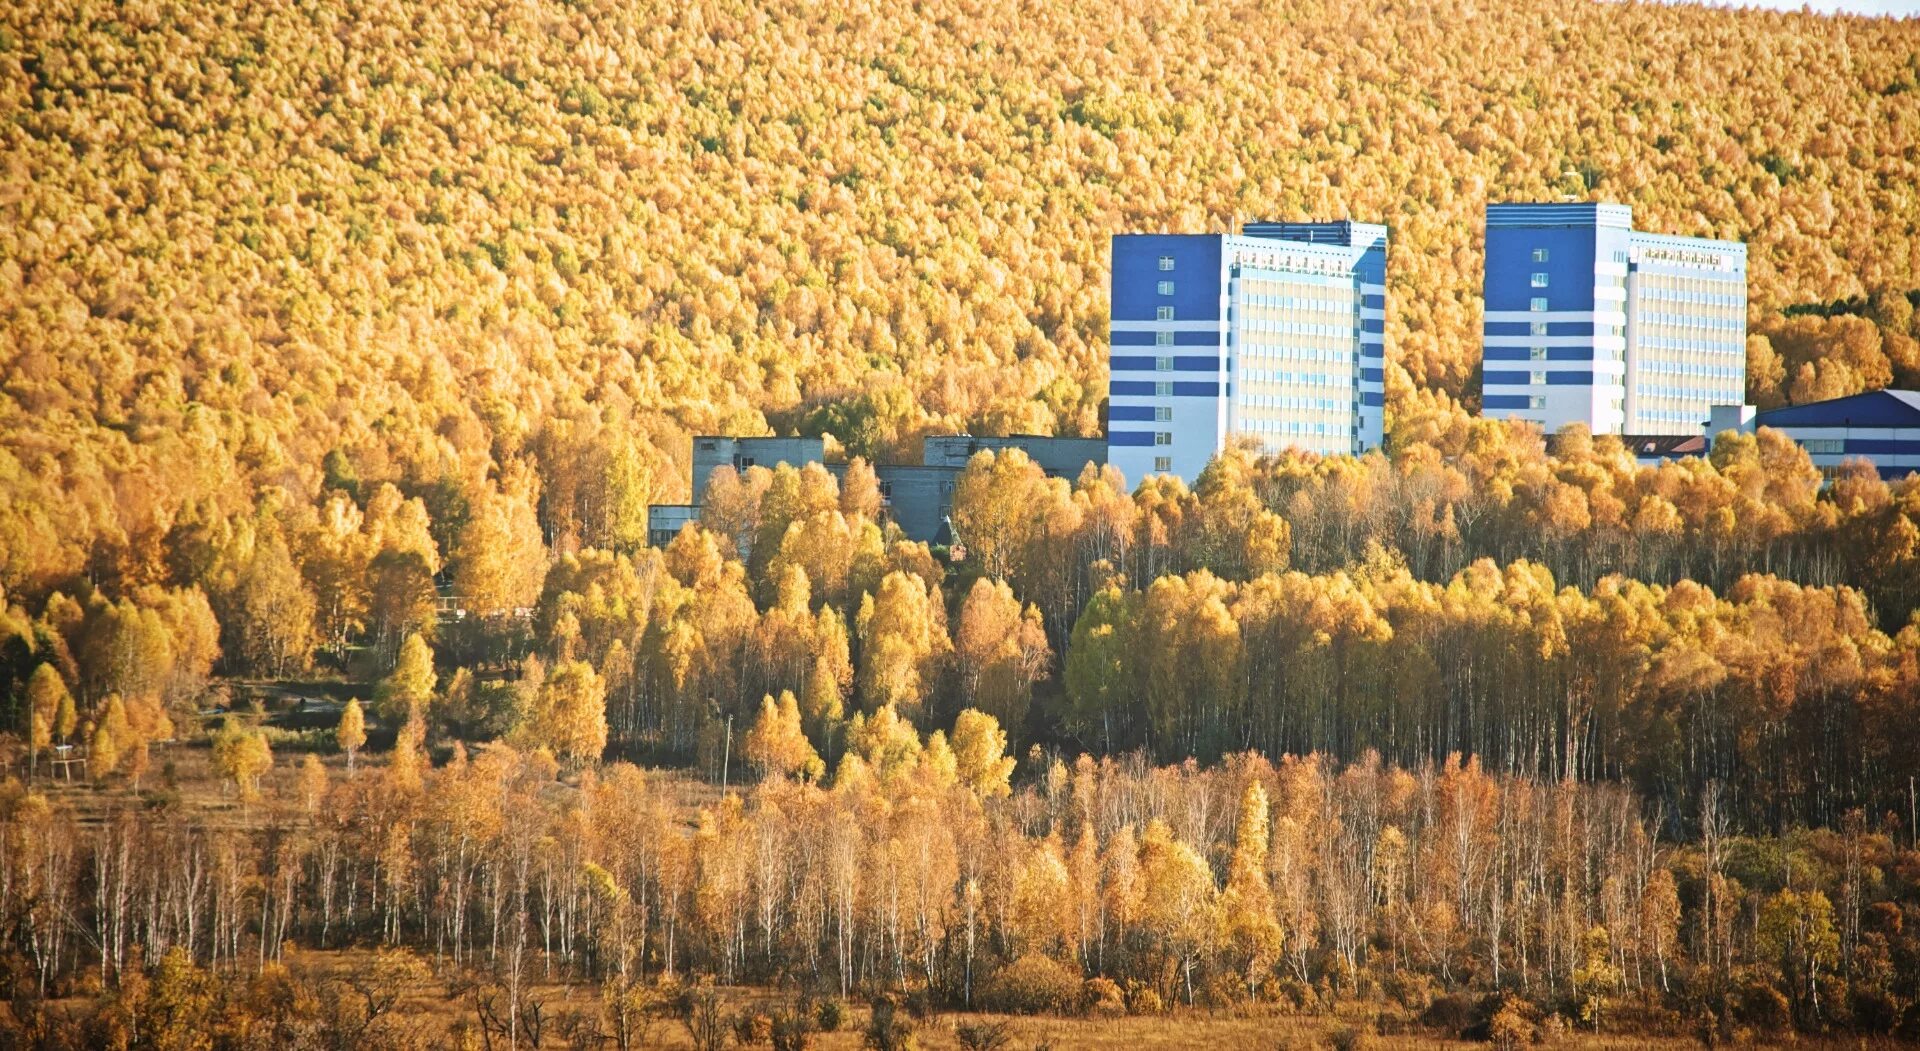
[
  {"x": 1057, "y": 456},
  {"x": 713, "y": 452},
  {"x": 918, "y": 499},
  {"x": 664, "y": 521}
]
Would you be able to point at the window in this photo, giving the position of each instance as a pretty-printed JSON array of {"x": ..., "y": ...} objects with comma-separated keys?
[
  {"x": 1163, "y": 390},
  {"x": 1163, "y": 339},
  {"x": 886, "y": 489},
  {"x": 1538, "y": 379},
  {"x": 1824, "y": 445},
  {"x": 1539, "y": 255},
  {"x": 1166, "y": 288},
  {"x": 1163, "y": 464},
  {"x": 1163, "y": 364},
  {"x": 1540, "y": 280},
  {"x": 1163, "y": 313},
  {"x": 1536, "y": 402},
  {"x": 1538, "y": 354},
  {"x": 1166, "y": 262},
  {"x": 1539, "y": 328},
  {"x": 1163, "y": 437},
  {"x": 1162, "y": 413},
  {"x": 1539, "y": 304}
]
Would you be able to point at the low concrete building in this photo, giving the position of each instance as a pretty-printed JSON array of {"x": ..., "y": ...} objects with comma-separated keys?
[
  {"x": 1881, "y": 427},
  {"x": 915, "y": 497}
]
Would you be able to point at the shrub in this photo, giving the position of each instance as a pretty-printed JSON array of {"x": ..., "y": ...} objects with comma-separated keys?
[
  {"x": 1293, "y": 992},
  {"x": 791, "y": 1031},
  {"x": 1349, "y": 1038},
  {"x": 1510, "y": 1029},
  {"x": 1224, "y": 989},
  {"x": 831, "y": 1014},
  {"x": 1143, "y": 1000},
  {"x": 983, "y": 1036},
  {"x": 1454, "y": 1014},
  {"x": 752, "y": 1027},
  {"x": 889, "y": 1029},
  {"x": 1032, "y": 984},
  {"x": 919, "y": 1003},
  {"x": 1102, "y": 998},
  {"x": 1757, "y": 1004}
]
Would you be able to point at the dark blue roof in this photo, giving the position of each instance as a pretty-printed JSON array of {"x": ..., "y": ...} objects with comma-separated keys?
[{"x": 1880, "y": 408}]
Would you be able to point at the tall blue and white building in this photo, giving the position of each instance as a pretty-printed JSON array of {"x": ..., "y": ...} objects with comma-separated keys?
[
  {"x": 1275, "y": 333},
  {"x": 1591, "y": 321}
]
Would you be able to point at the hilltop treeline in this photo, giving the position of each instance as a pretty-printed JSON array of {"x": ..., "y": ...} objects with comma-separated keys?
[
  {"x": 1099, "y": 887},
  {"x": 250, "y": 253}
]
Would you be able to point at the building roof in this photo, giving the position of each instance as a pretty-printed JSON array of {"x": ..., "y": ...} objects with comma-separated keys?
[
  {"x": 1646, "y": 446},
  {"x": 1880, "y": 408},
  {"x": 1559, "y": 213},
  {"x": 1664, "y": 446}
]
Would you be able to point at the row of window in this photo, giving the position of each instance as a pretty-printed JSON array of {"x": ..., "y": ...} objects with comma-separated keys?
[
  {"x": 1296, "y": 427},
  {"x": 1663, "y": 394},
  {"x": 1712, "y": 299},
  {"x": 1691, "y": 368},
  {"x": 1303, "y": 379},
  {"x": 1687, "y": 322},
  {"x": 1274, "y": 401},
  {"x": 1339, "y": 354},
  {"x": 1297, "y": 328},
  {"x": 1266, "y": 306}
]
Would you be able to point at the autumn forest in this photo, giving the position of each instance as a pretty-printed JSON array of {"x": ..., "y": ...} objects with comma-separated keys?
[{"x": 345, "y": 703}]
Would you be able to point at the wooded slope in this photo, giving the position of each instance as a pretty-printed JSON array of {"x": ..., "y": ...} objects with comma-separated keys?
[{"x": 439, "y": 241}]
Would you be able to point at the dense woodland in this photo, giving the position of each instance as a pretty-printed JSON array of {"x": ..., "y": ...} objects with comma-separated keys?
[{"x": 343, "y": 354}]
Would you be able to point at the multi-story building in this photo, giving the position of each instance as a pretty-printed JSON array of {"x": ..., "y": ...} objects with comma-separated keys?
[
  {"x": 1275, "y": 333},
  {"x": 1591, "y": 321}
]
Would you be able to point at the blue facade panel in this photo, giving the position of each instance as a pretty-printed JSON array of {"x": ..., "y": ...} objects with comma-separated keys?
[
  {"x": 1526, "y": 354},
  {"x": 1882, "y": 447},
  {"x": 1130, "y": 413},
  {"x": 1130, "y": 388},
  {"x": 1511, "y": 266},
  {"x": 1129, "y": 438},
  {"x": 1883, "y": 408},
  {"x": 1137, "y": 276},
  {"x": 1180, "y": 339},
  {"x": 1503, "y": 401}
]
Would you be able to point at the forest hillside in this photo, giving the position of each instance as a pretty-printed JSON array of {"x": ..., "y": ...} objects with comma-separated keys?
[{"x": 444, "y": 244}]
